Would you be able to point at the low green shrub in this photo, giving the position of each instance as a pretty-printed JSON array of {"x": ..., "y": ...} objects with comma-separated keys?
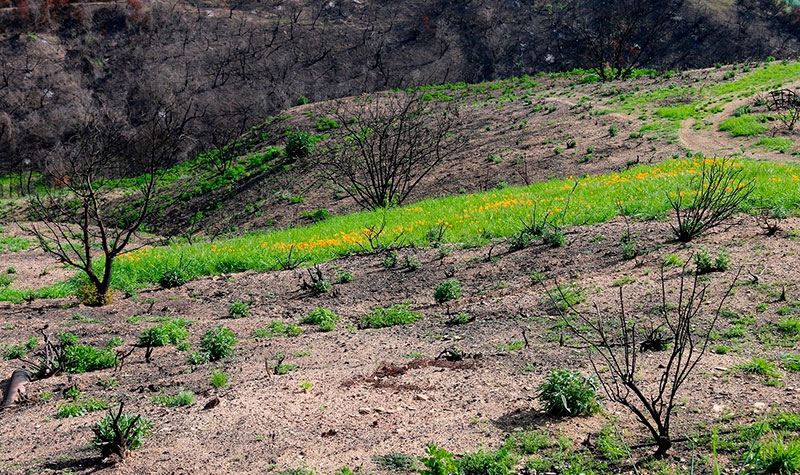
[
  {"x": 135, "y": 426},
  {"x": 567, "y": 392},
  {"x": 214, "y": 345},
  {"x": 219, "y": 378},
  {"x": 705, "y": 264},
  {"x": 183, "y": 398},
  {"x": 83, "y": 358},
  {"x": 278, "y": 329},
  {"x": 447, "y": 290},
  {"x": 777, "y": 456},
  {"x": 322, "y": 317},
  {"x": 79, "y": 408},
  {"x": 166, "y": 333},
  {"x": 399, "y": 314},
  {"x": 239, "y": 309},
  {"x": 13, "y": 352}
]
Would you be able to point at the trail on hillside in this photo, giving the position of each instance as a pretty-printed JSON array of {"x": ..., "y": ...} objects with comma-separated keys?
[{"x": 710, "y": 141}]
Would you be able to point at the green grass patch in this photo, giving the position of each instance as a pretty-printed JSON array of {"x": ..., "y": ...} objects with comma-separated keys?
[
  {"x": 465, "y": 219},
  {"x": 744, "y": 126},
  {"x": 775, "y": 143},
  {"x": 13, "y": 244},
  {"x": 381, "y": 317}
]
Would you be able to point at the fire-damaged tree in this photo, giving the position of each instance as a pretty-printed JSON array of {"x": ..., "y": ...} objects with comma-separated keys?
[
  {"x": 90, "y": 208},
  {"x": 380, "y": 148},
  {"x": 611, "y": 37}
]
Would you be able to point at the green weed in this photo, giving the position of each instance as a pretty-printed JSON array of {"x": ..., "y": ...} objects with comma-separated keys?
[
  {"x": 399, "y": 314},
  {"x": 567, "y": 392}
]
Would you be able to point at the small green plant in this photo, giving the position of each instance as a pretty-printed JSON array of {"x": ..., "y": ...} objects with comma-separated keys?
[
  {"x": 284, "y": 368},
  {"x": 214, "y": 345},
  {"x": 12, "y": 352},
  {"x": 170, "y": 332},
  {"x": 316, "y": 216},
  {"x": 239, "y": 309},
  {"x": 174, "y": 277},
  {"x": 567, "y": 392},
  {"x": 322, "y": 317},
  {"x": 299, "y": 145},
  {"x": 395, "y": 462},
  {"x": 777, "y": 456},
  {"x": 390, "y": 260},
  {"x": 513, "y": 345},
  {"x": 344, "y": 277},
  {"x": 411, "y": 263},
  {"x": 789, "y": 326},
  {"x": 83, "y": 358},
  {"x": 791, "y": 361},
  {"x": 219, "y": 378},
  {"x": 460, "y": 319},
  {"x": 108, "y": 383},
  {"x": 624, "y": 280},
  {"x": 483, "y": 462},
  {"x": 704, "y": 263},
  {"x": 399, "y": 314},
  {"x": 78, "y": 408},
  {"x": 117, "y": 434},
  {"x": 758, "y": 366},
  {"x": 306, "y": 386},
  {"x": 278, "y": 329},
  {"x": 567, "y": 296},
  {"x": 447, "y": 290},
  {"x": 610, "y": 445},
  {"x": 183, "y": 398},
  {"x": 529, "y": 442},
  {"x": 438, "y": 462},
  {"x": 613, "y": 130}
]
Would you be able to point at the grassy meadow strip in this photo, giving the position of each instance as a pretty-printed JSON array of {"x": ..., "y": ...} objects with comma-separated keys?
[{"x": 468, "y": 220}]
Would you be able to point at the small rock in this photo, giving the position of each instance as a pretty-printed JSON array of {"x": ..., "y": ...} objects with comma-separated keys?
[
  {"x": 720, "y": 368},
  {"x": 422, "y": 397},
  {"x": 759, "y": 406},
  {"x": 718, "y": 407},
  {"x": 364, "y": 410}
]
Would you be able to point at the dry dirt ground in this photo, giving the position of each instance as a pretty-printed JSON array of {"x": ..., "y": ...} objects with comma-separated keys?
[
  {"x": 354, "y": 410},
  {"x": 358, "y": 393}
]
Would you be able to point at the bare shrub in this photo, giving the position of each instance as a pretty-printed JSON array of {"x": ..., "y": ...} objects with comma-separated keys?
[
  {"x": 712, "y": 197},
  {"x": 386, "y": 145},
  {"x": 679, "y": 325}
]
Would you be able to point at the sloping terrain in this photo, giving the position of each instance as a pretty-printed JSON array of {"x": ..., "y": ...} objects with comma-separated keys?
[{"x": 355, "y": 393}]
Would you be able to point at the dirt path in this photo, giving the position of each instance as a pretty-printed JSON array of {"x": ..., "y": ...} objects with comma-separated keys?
[{"x": 711, "y": 142}]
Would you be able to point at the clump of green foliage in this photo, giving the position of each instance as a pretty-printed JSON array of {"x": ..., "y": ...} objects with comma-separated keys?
[
  {"x": 705, "y": 264},
  {"x": 239, "y": 309},
  {"x": 170, "y": 332},
  {"x": 447, "y": 290},
  {"x": 184, "y": 397},
  {"x": 278, "y": 329},
  {"x": 567, "y": 392},
  {"x": 12, "y": 352},
  {"x": 214, "y": 345},
  {"x": 219, "y": 378},
  {"x": 322, "y": 317},
  {"x": 299, "y": 145},
  {"x": 119, "y": 433},
  {"x": 399, "y": 314}
]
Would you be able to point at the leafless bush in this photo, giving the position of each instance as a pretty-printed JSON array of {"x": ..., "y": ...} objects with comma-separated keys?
[
  {"x": 381, "y": 148},
  {"x": 711, "y": 198},
  {"x": 786, "y": 103},
  {"x": 678, "y": 325}
]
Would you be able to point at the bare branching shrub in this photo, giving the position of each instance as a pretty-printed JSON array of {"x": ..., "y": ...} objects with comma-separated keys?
[
  {"x": 678, "y": 329},
  {"x": 786, "y": 103},
  {"x": 386, "y": 145},
  {"x": 711, "y": 198}
]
